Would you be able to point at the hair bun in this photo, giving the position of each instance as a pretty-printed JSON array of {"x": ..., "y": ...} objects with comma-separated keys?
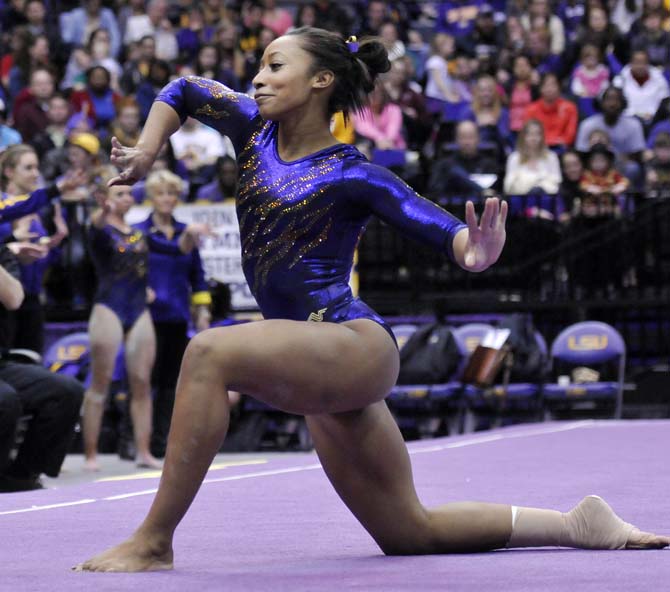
[{"x": 374, "y": 55}]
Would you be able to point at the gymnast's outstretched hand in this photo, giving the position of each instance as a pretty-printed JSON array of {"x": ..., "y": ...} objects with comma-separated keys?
[
  {"x": 133, "y": 162},
  {"x": 479, "y": 247}
]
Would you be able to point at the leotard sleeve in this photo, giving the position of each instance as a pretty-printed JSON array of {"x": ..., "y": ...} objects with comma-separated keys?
[
  {"x": 230, "y": 113},
  {"x": 17, "y": 206},
  {"x": 389, "y": 198}
]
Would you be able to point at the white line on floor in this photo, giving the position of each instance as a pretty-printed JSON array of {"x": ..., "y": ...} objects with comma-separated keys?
[{"x": 461, "y": 443}]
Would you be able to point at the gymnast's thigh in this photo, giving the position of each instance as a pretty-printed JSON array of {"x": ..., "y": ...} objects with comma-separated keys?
[
  {"x": 105, "y": 334},
  {"x": 302, "y": 367}
]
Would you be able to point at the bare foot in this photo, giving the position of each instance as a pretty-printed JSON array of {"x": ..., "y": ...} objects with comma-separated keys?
[
  {"x": 592, "y": 524},
  {"x": 148, "y": 461},
  {"x": 138, "y": 553},
  {"x": 91, "y": 464}
]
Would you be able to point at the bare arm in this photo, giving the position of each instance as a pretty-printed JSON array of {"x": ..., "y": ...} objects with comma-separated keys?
[
  {"x": 11, "y": 291},
  {"x": 163, "y": 121}
]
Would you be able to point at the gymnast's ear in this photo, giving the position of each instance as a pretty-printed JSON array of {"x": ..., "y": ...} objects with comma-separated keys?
[{"x": 323, "y": 79}]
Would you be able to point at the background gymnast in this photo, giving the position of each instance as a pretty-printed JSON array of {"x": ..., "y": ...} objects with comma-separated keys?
[{"x": 302, "y": 203}]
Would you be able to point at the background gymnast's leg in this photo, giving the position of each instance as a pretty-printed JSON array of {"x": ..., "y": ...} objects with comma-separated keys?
[
  {"x": 105, "y": 335},
  {"x": 140, "y": 355}
]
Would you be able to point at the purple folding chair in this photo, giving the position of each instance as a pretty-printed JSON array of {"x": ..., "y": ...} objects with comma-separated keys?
[
  {"x": 590, "y": 343},
  {"x": 424, "y": 409},
  {"x": 70, "y": 355}
]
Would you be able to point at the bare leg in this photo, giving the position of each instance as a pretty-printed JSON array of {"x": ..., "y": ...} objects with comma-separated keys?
[
  {"x": 378, "y": 489},
  {"x": 140, "y": 355},
  {"x": 105, "y": 334},
  {"x": 296, "y": 366},
  {"x": 325, "y": 371}
]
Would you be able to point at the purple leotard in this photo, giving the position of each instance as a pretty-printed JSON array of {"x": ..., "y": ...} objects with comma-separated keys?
[
  {"x": 120, "y": 261},
  {"x": 300, "y": 221}
]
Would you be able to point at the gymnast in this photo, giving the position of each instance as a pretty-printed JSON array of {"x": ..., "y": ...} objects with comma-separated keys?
[{"x": 302, "y": 204}]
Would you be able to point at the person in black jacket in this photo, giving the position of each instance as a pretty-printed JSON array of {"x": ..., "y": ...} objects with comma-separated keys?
[{"x": 52, "y": 401}]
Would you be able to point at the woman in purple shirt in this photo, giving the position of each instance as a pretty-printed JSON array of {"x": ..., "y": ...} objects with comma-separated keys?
[{"x": 303, "y": 202}]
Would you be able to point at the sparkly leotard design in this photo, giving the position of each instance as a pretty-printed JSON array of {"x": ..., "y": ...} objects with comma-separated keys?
[
  {"x": 300, "y": 221},
  {"x": 120, "y": 261}
]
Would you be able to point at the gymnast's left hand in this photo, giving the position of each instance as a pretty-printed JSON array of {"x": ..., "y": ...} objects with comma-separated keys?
[
  {"x": 485, "y": 239},
  {"x": 133, "y": 162}
]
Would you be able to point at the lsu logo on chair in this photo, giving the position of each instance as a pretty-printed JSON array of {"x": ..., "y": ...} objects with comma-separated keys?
[{"x": 587, "y": 342}]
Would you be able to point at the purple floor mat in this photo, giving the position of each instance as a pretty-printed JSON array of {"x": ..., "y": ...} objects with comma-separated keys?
[{"x": 280, "y": 526}]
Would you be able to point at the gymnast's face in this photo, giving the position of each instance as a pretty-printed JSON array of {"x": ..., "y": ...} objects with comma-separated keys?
[
  {"x": 121, "y": 198},
  {"x": 286, "y": 84}
]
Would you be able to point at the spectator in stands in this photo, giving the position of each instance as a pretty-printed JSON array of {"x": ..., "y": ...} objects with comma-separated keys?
[
  {"x": 275, "y": 18},
  {"x": 31, "y": 104},
  {"x": 653, "y": 39},
  {"x": 119, "y": 316},
  {"x": 156, "y": 24},
  {"x": 487, "y": 37},
  {"x": 390, "y": 37},
  {"x": 591, "y": 77},
  {"x": 17, "y": 44},
  {"x": 38, "y": 24},
  {"x": 658, "y": 168},
  {"x": 76, "y": 25},
  {"x": 157, "y": 78},
  {"x": 380, "y": 124},
  {"x": 538, "y": 48},
  {"x": 571, "y": 13},
  {"x": 418, "y": 51},
  {"x": 98, "y": 100},
  {"x": 601, "y": 184},
  {"x": 332, "y": 17},
  {"x": 457, "y": 17},
  {"x": 572, "y": 169},
  {"x": 178, "y": 281},
  {"x": 208, "y": 65},
  {"x": 660, "y": 123},
  {"x": 36, "y": 54},
  {"x": 532, "y": 167},
  {"x": 558, "y": 115},
  {"x": 407, "y": 94},
  {"x": 440, "y": 85},
  {"x": 491, "y": 117},
  {"x": 196, "y": 148},
  {"x": 224, "y": 185},
  {"x": 125, "y": 12},
  {"x": 376, "y": 14},
  {"x": 8, "y": 135},
  {"x": 458, "y": 172},
  {"x": 599, "y": 30},
  {"x": 644, "y": 87},
  {"x": 126, "y": 126},
  {"x": 650, "y": 6},
  {"x": 217, "y": 12},
  {"x": 515, "y": 42},
  {"x": 540, "y": 13},
  {"x": 100, "y": 50},
  {"x": 521, "y": 90},
  {"x": 136, "y": 68},
  {"x": 79, "y": 62},
  {"x": 52, "y": 401},
  {"x": 54, "y": 134},
  {"x": 305, "y": 16},
  {"x": 625, "y": 132},
  {"x": 19, "y": 175}
]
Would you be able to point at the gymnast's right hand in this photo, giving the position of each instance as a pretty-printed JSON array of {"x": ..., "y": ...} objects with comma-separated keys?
[{"x": 133, "y": 162}]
